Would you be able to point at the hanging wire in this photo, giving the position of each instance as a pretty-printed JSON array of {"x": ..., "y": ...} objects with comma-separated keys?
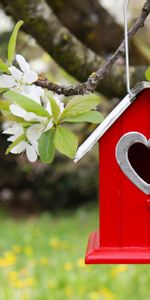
[{"x": 127, "y": 49}]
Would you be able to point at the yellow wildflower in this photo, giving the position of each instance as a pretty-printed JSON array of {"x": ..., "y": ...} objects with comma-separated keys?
[
  {"x": 23, "y": 283},
  {"x": 18, "y": 284},
  {"x": 29, "y": 282},
  {"x": 81, "y": 290},
  {"x": 25, "y": 297},
  {"x": 118, "y": 270},
  {"x": 94, "y": 295},
  {"x": 68, "y": 291},
  {"x": 52, "y": 284},
  {"x": 68, "y": 266},
  {"x": 107, "y": 294},
  {"x": 12, "y": 275},
  {"x": 8, "y": 259},
  {"x": 16, "y": 249},
  {"x": 28, "y": 250},
  {"x": 54, "y": 243},
  {"x": 81, "y": 263},
  {"x": 43, "y": 261},
  {"x": 64, "y": 245}
]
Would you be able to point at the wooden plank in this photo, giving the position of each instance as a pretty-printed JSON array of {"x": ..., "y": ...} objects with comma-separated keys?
[
  {"x": 134, "y": 209},
  {"x": 109, "y": 195}
]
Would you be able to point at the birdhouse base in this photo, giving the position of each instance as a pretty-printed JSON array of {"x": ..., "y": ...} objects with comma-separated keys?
[{"x": 124, "y": 255}]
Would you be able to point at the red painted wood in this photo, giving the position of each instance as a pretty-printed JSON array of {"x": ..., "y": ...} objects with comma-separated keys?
[
  {"x": 124, "y": 209},
  {"x": 109, "y": 184},
  {"x": 110, "y": 255},
  {"x": 135, "y": 228}
]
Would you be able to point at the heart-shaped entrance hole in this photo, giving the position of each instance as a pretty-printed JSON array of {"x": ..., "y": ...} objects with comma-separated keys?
[{"x": 139, "y": 158}]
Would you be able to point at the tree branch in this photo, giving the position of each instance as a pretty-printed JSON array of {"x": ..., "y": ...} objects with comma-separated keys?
[
  {"x": 73, "y": 56},
  {"x": 94, "y": 79}
]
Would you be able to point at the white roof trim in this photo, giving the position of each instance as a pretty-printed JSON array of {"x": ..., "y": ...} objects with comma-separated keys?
[{"x": 109, "y": 121}]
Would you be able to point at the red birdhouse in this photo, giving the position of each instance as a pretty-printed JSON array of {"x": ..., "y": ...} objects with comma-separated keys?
[{"x": 124, "y": 182}]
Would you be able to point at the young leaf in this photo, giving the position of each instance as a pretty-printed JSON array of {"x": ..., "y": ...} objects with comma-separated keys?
[
  {"x": 46, "y": 146},
  {"x": 12, "y": 118},
  {"x": 55, "y": 108},
  {"x": 4, "y": 105},
  {"x": 12, "y": 42},
  {"x": 94, "y": 117},
  {"x": 15, "y": 143},
  {"x": 3, "y": 67},
  {"x": 65, "y": 141},
  {"x": 27, "y": 103},
  {"x": 147, "y": 74},
  {"x": 79, "y": 105},
  {"x": 3, "y": 90}
]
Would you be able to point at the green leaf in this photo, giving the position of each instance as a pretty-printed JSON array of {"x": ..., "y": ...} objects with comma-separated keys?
[
  {"x": 79, "y": 105},
  {"x": 4, "y": 105},
  {"x": 46, "y": 146},
  {"x": 12, "y": 118},
  {"x": 147, "y": 74},
  {"x": 15, "y": 143},
  {"x": 65, "y": 141},
  {"x": 55, "y": 108},
  {"x": 12, "y": 42},
  {"x": 3, "y": 67},
  {"x": 3, "y": 90},
  {"x": 94, "y": 117},
  {"x": 27, "y": 103}
]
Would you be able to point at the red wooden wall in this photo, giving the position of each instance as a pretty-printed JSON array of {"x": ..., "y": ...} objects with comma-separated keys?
[{"x": 124, "y": 211}]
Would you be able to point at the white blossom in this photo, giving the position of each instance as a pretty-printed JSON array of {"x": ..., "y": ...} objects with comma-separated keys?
[
  {"x": 29, "y": 146},
  {"x": 30, "y": 149},
  {"x": 14, "y": 129},
  {"x": 18, "y": 111},
  {"x": 21, "y": 80}
]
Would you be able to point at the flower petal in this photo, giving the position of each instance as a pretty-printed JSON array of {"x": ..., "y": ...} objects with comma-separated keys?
[
  {"x": 19, "y": 148},
  {"x": 34, "y": 132},
  {"x": 30, "y": 116},
  {"x": 62, "y": 107},
  {"x": 29, "y": 77},
  {"x": 17, "y": 110},
  {"x": 7, "y": 81},
  {"x": 13, "y": 128},
  {"x": 33, "y": 92},
  {"x": 12, "y": 138},
  {"x": 49, "y": 126},
  {"x": 35, "y": 146},
  {"x": 31, "y": 153},
  {"x": 16, "y": 74},
  {"x": 48, "y": 108},
  {"x": 24, "y": 66},
  {"x": 59, "y": 103}
]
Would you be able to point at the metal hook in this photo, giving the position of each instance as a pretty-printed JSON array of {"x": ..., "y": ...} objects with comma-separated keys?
[{"x": 127, "y": 49}]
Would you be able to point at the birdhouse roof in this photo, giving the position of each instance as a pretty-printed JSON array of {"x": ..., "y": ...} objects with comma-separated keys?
[{"x": 109, "y": 120}]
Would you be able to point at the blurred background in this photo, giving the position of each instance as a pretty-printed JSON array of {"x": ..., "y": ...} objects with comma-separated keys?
[{"x": 47, "y": 211}]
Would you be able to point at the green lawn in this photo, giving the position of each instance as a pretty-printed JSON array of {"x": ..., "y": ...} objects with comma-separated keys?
[{"x": 41, "y": 258}]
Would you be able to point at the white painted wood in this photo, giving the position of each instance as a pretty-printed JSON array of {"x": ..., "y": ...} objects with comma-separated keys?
[{"x": 109, "y": 121}]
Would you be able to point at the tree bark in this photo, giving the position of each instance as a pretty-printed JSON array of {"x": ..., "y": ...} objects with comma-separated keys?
[
  {"x": 67, "y": 50},
  {"x": 90, "y": 23},
  {"x": 93, "y": 26}
]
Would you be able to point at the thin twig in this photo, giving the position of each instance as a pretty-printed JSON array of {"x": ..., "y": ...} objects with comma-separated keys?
[{"x": 94, "y": 79}]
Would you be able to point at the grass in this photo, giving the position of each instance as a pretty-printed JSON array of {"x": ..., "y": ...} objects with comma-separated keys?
[{"x": 41, "y": 258}]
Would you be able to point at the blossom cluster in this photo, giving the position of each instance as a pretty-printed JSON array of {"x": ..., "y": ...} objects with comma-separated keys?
[
  {"x": 21, "y": 80},
  {"x": 34, "y": 118}
]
